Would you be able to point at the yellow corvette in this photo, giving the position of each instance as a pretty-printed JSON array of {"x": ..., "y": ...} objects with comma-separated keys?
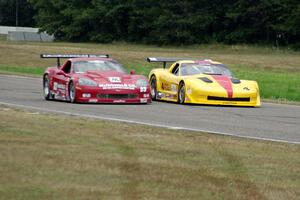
[{"x": 201, "y": 82}]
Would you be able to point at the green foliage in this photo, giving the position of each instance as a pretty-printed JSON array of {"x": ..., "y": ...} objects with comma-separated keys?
[
  {"x": 275, "y": 22},
  {"x": 8, "y": 13}
]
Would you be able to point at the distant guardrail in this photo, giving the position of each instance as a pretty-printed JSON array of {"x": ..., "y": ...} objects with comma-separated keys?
[
  {"x": 28, "y": 36},
  {"x": 25, "y": 34},
  {"x": 5, "y": 29}
]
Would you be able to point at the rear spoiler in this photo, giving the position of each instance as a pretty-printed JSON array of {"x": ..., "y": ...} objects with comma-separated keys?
[
  {"x": 165, "y": 60},
  {"x": 58, "y": 56}
]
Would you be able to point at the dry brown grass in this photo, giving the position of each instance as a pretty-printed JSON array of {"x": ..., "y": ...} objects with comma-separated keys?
[
  {"x": 27, "y": 54},
  {"x": 44, "y": 156}
]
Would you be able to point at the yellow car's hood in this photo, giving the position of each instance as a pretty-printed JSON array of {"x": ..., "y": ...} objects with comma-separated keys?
[{"x": 231, "y": 85}]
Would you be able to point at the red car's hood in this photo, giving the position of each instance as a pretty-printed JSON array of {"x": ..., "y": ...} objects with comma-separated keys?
[{"x": 109, "y": 77}]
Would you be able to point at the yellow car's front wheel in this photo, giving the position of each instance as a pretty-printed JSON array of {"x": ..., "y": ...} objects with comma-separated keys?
[
  {"x": 181, "y": 93},
  {"x": 153, "y": 88}
]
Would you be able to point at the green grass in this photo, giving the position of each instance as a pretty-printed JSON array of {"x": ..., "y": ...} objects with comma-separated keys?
[
  {"x": 44, "y": 156},
  {"x": 21, "y": 70},
  {"x": 276, "y": 70},
  {"x": 273, "y": 85}
]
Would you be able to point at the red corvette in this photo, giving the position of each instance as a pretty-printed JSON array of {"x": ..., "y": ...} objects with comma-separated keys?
[{"x": 90, "y": 78}]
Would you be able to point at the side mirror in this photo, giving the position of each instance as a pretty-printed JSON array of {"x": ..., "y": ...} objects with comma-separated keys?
[{"x": 132, "y": 72}]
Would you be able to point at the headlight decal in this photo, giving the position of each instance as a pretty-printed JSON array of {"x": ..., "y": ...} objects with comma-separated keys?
[{"x": 141, "y": 83}]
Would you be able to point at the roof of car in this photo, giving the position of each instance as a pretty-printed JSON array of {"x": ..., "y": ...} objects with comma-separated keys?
[{"x": 204, "y": 61}]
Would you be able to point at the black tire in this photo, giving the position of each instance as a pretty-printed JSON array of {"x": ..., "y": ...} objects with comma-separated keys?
[
  {"x": 181, "y": 93},
  {"x": 153, "y": 88},
  {"x": 72, "y": 92},
  {"x": 46, "y": 87}
]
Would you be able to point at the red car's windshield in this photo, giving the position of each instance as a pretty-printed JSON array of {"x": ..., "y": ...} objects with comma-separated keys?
[{"x": 97, "y": 65}]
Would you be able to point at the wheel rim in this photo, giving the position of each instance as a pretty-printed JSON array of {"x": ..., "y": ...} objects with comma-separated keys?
[
  {"x": 182, "y": 94},
  {"x": 46, "y": 87},
  {"x": 153, "y": 88},
  {"x": 72, "y": 92}
]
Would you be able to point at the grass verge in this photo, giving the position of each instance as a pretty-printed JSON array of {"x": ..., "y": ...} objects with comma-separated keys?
[
  {"x": 276, "y": 71},
  {"x": 44, "y": 156}
]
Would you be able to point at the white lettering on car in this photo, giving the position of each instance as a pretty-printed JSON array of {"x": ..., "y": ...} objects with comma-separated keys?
[
  {"x": 55, "y": 86},
  {"x": 115, "y": 79},
  {"x": 117, "y": 86},
  {"x": 143, "y": 89},
  {"x": 173, "y": 87}
]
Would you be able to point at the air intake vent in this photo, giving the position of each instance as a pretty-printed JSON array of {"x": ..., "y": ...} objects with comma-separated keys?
[
  {"x": 235, "y": 81},
  {"x": 116, "y": 96},
  {"x": 247, "y": 99},
  {"x": 206, "y": 80}
]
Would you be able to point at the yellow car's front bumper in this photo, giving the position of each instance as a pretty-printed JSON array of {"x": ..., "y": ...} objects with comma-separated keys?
[{"x": 221, "y": 98}]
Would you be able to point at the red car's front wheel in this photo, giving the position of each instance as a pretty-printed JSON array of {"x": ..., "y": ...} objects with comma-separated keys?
[{"x": 72, "y": 92}]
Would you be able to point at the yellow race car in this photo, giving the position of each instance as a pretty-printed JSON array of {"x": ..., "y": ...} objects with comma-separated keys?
[{"x": 201, "y": 81}]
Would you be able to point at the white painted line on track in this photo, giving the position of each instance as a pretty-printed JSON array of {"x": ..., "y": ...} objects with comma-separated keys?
[{"x": 147, "y": 123}]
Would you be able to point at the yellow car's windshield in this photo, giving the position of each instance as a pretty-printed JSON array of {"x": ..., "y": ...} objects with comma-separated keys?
[{"x": 187, "y": 69}]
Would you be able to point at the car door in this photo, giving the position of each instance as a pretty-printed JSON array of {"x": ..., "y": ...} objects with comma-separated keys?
[
  {"x": 61, "y": 80},
  {"x": 170, "y": 82}
]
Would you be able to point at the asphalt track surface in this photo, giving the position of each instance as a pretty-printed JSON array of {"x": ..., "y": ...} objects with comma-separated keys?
[{"x": 272, "y": 122}]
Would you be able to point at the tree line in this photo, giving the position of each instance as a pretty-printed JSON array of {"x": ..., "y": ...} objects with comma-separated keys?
[{"x": 275, "y": 22}]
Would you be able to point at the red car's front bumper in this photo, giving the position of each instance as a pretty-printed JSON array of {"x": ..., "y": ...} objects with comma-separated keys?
[{"x": 92, "y": 95}]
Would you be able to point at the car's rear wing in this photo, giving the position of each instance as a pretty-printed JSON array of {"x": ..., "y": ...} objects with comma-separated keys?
[
  {"x": 165, "y": 60},
  {"x": 58, "y": 56}
]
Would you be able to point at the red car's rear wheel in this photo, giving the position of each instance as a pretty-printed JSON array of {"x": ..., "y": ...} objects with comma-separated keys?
[{"x": 46, "y": 87}]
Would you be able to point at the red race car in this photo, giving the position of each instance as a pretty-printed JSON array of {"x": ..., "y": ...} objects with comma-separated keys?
[{"x": 91, "y": 78}]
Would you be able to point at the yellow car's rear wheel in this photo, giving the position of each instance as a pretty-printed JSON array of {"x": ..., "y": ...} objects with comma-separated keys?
[
  {"x": 181, "y": 93},
  {"x": 153, "y": 88}
]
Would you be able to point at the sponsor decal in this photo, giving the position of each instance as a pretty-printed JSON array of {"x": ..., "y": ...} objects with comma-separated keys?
[
  {"x": 115, "y": 79},
  {"x": 119, "y": 101},
  {"x": 246, "y": 88},
  {"x": 117, "y": 86},
  {"x": 61, "y": 86},
  {"x": 86, "y": 95},
  {"x": 189, "y": 91},
  {"x": 93, "y": 100},
  {"x": 143, "y": 100},
  {"x": 146, "y": 95},
  {"x": 55, "y": 86},
  {"x": 170, "y": 96},
  {"x": 143, "y": 89},
  {"x": 173, "y": 88}
]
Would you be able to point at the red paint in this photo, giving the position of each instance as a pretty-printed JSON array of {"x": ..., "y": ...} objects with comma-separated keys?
[
  {"x": 225, "y": 82},
  {"x": 202, "y": 62}
]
